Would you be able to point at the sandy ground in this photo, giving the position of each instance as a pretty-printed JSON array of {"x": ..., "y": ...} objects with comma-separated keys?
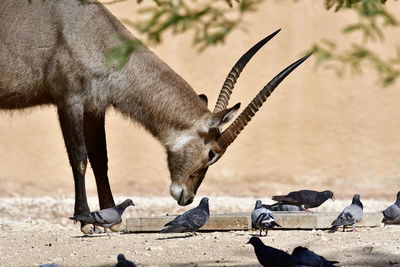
[{"x": 36, "y": 230}]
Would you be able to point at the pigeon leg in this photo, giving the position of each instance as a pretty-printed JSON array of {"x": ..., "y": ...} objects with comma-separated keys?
[
  {"x": 354, "y": 228},
  {"x": 105, "y": 230},
  {"x": 260, "y": 231},
  {"x": 95, "y": 141},
  {"x": 344, "y": 226}
]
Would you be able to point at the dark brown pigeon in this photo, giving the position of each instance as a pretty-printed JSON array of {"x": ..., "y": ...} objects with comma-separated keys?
[
  {"x": 269, "y": 256},
  {"x": 306, "y": 198},
  {"x": 302, "y": 256},
  {"x": 123, "y": 262}
]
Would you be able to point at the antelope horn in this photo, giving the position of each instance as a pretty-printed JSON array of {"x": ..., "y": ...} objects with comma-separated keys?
[
  {"x": 230, "y": 133},
  {"x": 233, "y": 75}
]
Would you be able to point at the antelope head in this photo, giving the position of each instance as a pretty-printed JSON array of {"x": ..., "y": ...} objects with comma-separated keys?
[{"x": 205, "y": 143}]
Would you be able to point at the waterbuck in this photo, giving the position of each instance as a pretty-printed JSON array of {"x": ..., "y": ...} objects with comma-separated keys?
[{"x": 53, "y": 52}]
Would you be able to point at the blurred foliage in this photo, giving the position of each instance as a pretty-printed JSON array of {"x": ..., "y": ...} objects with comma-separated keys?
[
  {"x": 372, "y": 18},
  {"x": 118, "y": 56},
  {"x": 211, "y": 21}
]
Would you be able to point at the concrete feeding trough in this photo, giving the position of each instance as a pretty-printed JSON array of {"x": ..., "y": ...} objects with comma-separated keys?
[{"x": 242, "y": 221}]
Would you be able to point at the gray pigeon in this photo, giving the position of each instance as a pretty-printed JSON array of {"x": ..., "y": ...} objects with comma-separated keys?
[
  {"x": 350, "y": 215},
  {"x": 269, "y": 256},
  {"x": 106, "y": 217},
  {"x": 123, "y": 262},
  {"x": 262, "y": 218},
  {"x": 190, "y": 221},
  {"x": 391, "y": 215},
  {"x": 283, "y": 207},
  {"x": 302, "y": 256},
  {"x": 306, "y": 198}
]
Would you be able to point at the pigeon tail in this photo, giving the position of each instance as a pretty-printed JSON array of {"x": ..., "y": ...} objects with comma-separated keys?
[
  {"x": 83, "y": 218},
  {"x": 273, "y": 224},
  {"x": 279, "y": 198},
  {"x": 174, "y": 229}
]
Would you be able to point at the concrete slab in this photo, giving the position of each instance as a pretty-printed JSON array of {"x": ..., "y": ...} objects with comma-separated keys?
[
  {"x": 321, "y": 220},
  {"x": 242, "y": 221},
  {"x": 216, "y": 222}
]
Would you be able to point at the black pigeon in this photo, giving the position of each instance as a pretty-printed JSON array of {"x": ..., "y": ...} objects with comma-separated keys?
[
  {"x": 306, "y": 198},
  {"x": 262, "y": 218},
  {"x": 302, "y": 256},
  {"x": 123, "y": 262},
  {"x": 391, "y": 215},
  {"x": 190, "y": 221},
  {"x": 106, "y": 217},
  {"x": 283, "y": 207},
  {"x": 269, "y": 256},
  {"x": 350, "y": 215}
]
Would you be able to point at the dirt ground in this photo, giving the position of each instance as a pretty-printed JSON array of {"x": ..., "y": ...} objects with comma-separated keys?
[
  {"x": 34, "y": 231},
  {"x": 31, "y": 244}
]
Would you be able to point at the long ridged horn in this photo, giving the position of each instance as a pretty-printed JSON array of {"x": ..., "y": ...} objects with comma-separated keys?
[
  {"x": 233, "y": 75},
  {"x": 230, "y": 134}
]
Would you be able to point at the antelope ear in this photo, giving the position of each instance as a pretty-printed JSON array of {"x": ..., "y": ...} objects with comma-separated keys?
[
  {"x": 204, "y": 98},
  {"x": 222, "y": 117}
]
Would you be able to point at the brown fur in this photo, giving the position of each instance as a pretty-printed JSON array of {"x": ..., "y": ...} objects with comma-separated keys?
[{"x": 52, "y": 52}]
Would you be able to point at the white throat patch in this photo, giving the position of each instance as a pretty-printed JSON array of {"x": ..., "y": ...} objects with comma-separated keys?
[{"x": 180, "y": 142}]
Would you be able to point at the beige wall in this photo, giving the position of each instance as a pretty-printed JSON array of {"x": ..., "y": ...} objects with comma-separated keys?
[{"x": 316, "y": 131}]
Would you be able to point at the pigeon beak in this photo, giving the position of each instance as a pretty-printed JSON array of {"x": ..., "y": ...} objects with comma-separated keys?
[{"x": 333, "y": 198}]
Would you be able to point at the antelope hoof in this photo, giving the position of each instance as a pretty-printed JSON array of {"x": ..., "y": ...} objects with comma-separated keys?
[
  {"x": 87, "y": 229},
  {"x": 116, "y": 227},
  {"x": 99, "y": 230}
]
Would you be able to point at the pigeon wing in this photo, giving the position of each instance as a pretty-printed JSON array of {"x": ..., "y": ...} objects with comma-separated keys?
[
  {"x": 180, "y": 219},
  {"x": 391, "y": 215},
  {"x": 107, "y": 216},
  {"x": 344, "y": 218},
  {"x": 297, "y": 197},
  {"x": 305, "y": 257}
]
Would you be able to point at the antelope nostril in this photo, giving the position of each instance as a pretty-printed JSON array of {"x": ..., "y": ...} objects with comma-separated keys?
[
  {"x": 180, "y": 200},
  {"x": 176, "y": 191}
]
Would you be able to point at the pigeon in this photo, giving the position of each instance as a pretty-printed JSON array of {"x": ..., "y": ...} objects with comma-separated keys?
[
  {"x": 106, "y": 217},
  {"x": 350, "y": 215},
  {"x": 262, "y": 218},
  {"x": 391, "y": 215},
  {"x": 123, "y": 262},
  {"x": 190, "y": 221},
  {"x": 49, "y": 265},
  {"x": 283, "y": 207},
  {"x": 302, "y": 256},
  {"x": 269, "y": 256},
  {"x": 306, "y": 198}
]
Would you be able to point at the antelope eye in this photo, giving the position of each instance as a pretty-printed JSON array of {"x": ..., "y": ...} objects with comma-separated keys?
[{"x": 211, "y": 155}]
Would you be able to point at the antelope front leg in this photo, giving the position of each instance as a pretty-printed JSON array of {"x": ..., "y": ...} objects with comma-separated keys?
[
  {"x": 71, "y": 121},
  {"x": 95, "y": 140}
]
